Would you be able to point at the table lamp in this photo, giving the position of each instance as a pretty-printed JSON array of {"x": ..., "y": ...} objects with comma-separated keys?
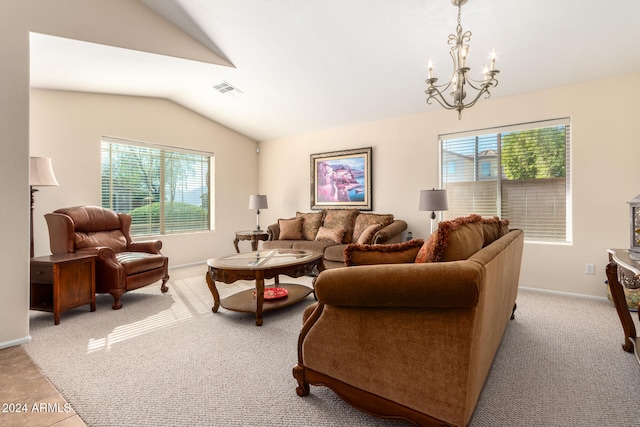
[
  {"x": 433, "y": 200},
  {"x": 258, "y": 201},
  {"x": 41, "y": 175}
]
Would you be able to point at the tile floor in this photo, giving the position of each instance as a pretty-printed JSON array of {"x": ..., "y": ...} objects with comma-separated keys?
[{"x": 23, "y": 386}]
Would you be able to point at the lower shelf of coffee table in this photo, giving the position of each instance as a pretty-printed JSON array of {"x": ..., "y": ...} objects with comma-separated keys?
[{"x": 246, "y": 301}]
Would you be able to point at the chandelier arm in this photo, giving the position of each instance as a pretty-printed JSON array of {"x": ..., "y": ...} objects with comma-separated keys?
[
  {"x": 443, "y": 87},
  {"x": 483, "y": 85},
  {"x": 489, "y": 82},
  {"x": 480, "y": 93},
  {"x": 440, "y": 99}
]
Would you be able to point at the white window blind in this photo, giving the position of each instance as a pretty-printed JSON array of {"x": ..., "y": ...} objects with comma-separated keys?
[
  {"x": 165, "y": 190},
  {"x": 520, "y": 173}
]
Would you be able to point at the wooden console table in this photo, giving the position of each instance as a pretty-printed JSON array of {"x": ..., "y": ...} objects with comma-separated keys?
[
  {"x": 62, "y": 282},
  {"x": 624, "y": 264}
]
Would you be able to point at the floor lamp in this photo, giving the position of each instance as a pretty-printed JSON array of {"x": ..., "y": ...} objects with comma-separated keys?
[
  {"x": 433, "y": 200},
  {"x": 258, "y": 201},
  {"x": 41, "y": 175}
]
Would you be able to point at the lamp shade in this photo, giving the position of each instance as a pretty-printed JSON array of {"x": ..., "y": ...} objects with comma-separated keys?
[
  {"x": 433, "y": 200},
  {"x": 258, "y": 201},
  {"x": 41, "y": 172}
]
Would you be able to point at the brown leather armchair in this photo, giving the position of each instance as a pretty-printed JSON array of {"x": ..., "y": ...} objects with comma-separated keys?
[{"x": 121, "y": 264}]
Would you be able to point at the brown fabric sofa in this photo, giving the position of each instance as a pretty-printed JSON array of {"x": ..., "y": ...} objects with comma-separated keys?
[
  {"x": 121, "y": 264},
  {"x": 330, "y": 231},
  {"x": 409, "y": 340}
]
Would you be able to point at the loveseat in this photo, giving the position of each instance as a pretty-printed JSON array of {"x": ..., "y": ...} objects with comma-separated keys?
[
  {"x": 330, "y": 231},
  {"x": 410, "y": 331}
]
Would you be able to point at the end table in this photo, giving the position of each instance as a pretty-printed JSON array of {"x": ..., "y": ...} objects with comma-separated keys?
[
  {"x": 254, "y": 235},
  {"x": 62, "y": 282}
]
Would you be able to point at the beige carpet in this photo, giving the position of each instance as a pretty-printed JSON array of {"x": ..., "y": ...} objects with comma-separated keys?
[{"x": 168, "y": 360}]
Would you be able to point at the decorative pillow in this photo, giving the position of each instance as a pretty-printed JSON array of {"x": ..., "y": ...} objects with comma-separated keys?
[
  {"x": 334, "y": 235},
  {"x": 493, "y": 229},
  {"x": 342, "y": 218},
  {"x": 367, "y": 234},
  {"x": 364, "y": 220},
  {"x": 311, "y": 223},
  {"x": 395, "y": 253},
  {"x": 454, "y": 240},
  {"x": 291, "y": 229},
  {"x": 425, "y": 254}
]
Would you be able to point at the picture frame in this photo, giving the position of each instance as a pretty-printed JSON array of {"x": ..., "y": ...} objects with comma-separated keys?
[{"x": 342, "y": 179}]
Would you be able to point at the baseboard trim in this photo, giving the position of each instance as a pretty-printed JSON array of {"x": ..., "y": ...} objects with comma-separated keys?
[
  {"x": 13, "y": 343},
  {"x": 193, "y": 264},
  {"x": 566, "y": 294}
]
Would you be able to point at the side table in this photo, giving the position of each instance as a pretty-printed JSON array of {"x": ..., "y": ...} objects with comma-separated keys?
[
  {"x": 626, "y": 264},
  {"x": 62, "y": 282},
  {"x": 253, "y": 235}
]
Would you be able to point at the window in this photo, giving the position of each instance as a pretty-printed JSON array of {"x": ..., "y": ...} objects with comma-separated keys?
[
  {"x": 165, "y": 190},
  {"x": 520, "y": 173}
]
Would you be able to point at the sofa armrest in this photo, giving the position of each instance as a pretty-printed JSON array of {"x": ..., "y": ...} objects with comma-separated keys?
[
  {"x": 273, "y": 231},
  {"x": 148, "y": 246},
  {"x": 390, "y": 233},
  {"x": 452, "y": 284}
]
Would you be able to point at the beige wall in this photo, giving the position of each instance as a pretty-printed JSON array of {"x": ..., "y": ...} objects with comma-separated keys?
[
  {"x": 138, "y": 28},
  {"x": 67, "y": 126},
  {"x": 604, "y": 171}
]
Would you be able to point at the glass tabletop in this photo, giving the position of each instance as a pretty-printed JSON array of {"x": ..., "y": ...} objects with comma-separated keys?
[
  {"x": 627, "y": 259},
  {"x": 262, "y": 259}
]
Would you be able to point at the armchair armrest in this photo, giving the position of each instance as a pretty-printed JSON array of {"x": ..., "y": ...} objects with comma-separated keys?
[
  {"x": 105, "y": 253},
  {"x": 274, "y": 231},
  {"x": 390, "y": 233},
  {"x": 433, "y": 285},
  {"x": 148, "y": 246}
]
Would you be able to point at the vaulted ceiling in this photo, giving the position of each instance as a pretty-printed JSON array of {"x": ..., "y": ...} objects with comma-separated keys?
[{"x": 301, "y": 66}]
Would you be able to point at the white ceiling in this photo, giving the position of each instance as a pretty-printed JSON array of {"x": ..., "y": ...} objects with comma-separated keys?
[{"x": 308, "y": 65}]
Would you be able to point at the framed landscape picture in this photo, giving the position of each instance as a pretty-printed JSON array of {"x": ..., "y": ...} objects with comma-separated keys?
[{"x": 341, "y": 179}]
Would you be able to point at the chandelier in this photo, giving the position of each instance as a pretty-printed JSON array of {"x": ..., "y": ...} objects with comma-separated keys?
[{"x": 460, "y": 81}]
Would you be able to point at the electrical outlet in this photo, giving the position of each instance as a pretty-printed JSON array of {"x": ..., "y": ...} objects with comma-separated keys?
[{"x": 590, "y": 268}]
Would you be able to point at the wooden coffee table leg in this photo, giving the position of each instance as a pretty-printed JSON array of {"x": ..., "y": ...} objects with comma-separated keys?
[
  {"x": 214, "y": 292},
  {"x": 259, "y": 296}
]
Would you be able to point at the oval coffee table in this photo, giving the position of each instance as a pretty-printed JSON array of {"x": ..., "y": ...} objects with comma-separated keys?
[{"x": 258, "y": 266}]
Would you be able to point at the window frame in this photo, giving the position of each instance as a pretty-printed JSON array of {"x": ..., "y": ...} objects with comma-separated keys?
[{"x": 161, "y": 153}]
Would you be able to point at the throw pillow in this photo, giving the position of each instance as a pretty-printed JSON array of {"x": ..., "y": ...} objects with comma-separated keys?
[
  {"x": 291, "y": 229},
  {"x": 425, "y": 254},
  {"x": 454, "y": 240},
  {"x": 395, "y": 253},
  {"x": 493, "y": 229},
  {"x": 365, "y": 220},
  {"x": 342, "y": 218},
  {"x": 367, "y": 234},
  {"x": 311, "y": 223},
  {"x": 334, "y": 235}
]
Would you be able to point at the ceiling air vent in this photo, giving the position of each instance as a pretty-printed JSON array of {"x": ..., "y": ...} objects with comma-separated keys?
[{"x": 227, "y": 89}]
